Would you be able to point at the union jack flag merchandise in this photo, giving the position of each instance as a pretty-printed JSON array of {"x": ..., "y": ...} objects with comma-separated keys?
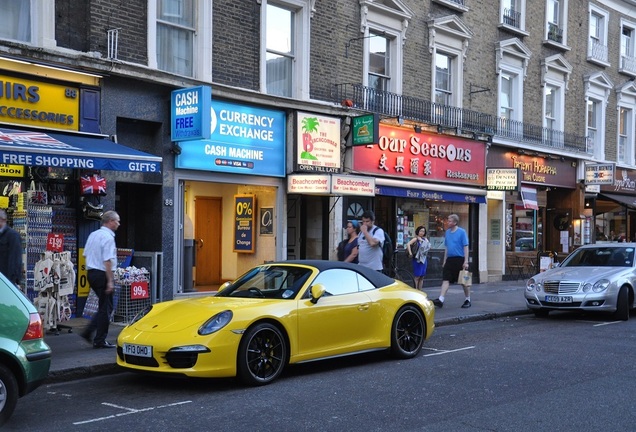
[{"x": 93, "y": 185}]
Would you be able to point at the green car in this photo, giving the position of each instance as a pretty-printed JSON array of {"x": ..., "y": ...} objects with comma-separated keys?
[{"x": 24, "y": 356}]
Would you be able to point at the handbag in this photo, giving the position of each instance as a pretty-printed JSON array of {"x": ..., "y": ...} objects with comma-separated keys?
[
  {"x": 414, "y": 247},
  {"x": 93, "y": 184},
  {"x": 37, "y": 195},
  {"x": 465, "y": 278}
]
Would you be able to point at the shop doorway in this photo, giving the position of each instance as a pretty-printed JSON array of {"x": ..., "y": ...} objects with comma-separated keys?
[{"x": 207, "y": 238}]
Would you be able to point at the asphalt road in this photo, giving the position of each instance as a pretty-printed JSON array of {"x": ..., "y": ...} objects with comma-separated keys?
[{"x": 568, "y": 372}]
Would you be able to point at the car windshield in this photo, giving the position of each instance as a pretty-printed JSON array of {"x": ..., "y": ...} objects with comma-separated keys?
[
  {"x": 601, "y": 257},
  {"x": 274, "y": 282}
]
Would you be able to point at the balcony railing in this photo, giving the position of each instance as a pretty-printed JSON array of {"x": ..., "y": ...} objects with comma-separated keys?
[
  {"x": 449, "y": 117},
  {"x": 555, "y": 33},
  {"x": 597, "y": 51},
  {"x": 628, "y": 64},
  {"x": 512, "y": 18}
]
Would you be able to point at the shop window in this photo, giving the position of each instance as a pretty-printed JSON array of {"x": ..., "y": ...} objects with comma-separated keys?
[{"x": 524, "y": 229}]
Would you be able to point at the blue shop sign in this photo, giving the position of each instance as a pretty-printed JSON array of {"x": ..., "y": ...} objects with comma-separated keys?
[
  {"x": 429, "y": 195},
  {"x": 243, "y": 140},
  {"x": 190, "y": 113}
]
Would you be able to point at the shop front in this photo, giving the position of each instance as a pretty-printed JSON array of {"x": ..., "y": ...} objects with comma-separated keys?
[
  {"x": 421, "y": 178},
  {"x": 545, "y": 215},
  {"x": 229, "y": 190},
  {"x": 55, "y": 174},
  {"x": 615, "y": 208},
  {"x": 315, "y": 187}
]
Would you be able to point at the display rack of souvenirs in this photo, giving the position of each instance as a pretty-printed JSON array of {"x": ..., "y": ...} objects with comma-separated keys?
[
  {"x": 54, "y": 282},
  {"x": 132, "y": 285}
]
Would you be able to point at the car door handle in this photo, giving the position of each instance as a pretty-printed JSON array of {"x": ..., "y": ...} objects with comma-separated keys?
[{"x": 363, "y": 307}]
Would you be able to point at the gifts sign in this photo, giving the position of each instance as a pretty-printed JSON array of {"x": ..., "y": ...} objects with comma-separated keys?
[
  {"x": 55, "y": 242},
  {"x": 139, "y": 290}
]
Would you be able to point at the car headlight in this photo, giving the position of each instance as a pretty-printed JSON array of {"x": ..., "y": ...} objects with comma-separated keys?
[
  {"x": 142, "y": 313},
  {"x": 216, "y": 323},
  {"x": 601, "y": 285},
  {"x": 533, "y": 285}
]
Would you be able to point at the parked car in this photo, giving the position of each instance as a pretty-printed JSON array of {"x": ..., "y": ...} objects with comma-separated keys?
[
  {"x": 278, "y": 314},
  {"x": 598, "y": 277},
  {"x": 24, "y": 356}
]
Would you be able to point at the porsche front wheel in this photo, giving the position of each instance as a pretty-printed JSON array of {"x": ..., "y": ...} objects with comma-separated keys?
[
  {"x": 407, "y": 333},
  {"x": 262, "y": 355}
]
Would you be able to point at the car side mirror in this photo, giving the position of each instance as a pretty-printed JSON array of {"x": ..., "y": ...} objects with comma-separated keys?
[
  {"x": 225, "y": 285},
  {"x": 316, "y": 292}
]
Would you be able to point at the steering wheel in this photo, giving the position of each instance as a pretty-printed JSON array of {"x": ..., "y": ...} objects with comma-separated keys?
[{"x": 256, "y": 291}]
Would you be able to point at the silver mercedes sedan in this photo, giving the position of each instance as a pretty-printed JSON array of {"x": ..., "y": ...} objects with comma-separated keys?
[{"x": 598, "y": 277}]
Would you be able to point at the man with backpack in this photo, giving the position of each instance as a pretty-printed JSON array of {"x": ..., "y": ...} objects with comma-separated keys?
[{"x": 370, "y": 242}]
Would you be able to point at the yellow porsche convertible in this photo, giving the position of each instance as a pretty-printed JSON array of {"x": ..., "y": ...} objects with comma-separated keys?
[{"x": 278, "y": 314}]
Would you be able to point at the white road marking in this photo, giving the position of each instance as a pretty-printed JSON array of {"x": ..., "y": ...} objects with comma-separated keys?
[
  {"x": 607, "y": 323},
  {"x": 440, "y": 352},
  {"x": 128, "y": 411}
]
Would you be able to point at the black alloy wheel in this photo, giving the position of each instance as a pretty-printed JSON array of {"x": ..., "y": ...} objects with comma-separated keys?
[
  {"x": 262, "y": 355},
  {"x": 407, "y": 332}
]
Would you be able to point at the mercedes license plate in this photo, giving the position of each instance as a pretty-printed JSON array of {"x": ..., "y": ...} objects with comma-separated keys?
[
  {"x": 558, "y": 299},
  {"x": 137, "y": 350}
]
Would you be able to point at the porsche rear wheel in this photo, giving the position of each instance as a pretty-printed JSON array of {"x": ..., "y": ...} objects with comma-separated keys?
[
  {"x": 407, "y": 333},
  {"x": 262, "y": 355}
]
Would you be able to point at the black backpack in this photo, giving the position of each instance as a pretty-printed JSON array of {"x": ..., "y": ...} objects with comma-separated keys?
[{"x": 387, "y": 246}]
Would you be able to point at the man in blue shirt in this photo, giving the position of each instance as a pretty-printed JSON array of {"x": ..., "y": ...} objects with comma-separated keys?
[{"x": 455, "y": 259}]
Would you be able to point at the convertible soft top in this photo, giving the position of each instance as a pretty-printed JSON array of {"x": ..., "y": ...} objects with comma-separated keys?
[{"x": 378, "y": 279}]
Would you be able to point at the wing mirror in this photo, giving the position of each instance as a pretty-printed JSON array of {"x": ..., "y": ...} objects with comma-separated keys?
[{"x": 316, "y": 292}]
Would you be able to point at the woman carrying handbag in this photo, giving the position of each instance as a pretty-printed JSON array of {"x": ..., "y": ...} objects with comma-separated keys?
[{"x": 418, "y": 248}]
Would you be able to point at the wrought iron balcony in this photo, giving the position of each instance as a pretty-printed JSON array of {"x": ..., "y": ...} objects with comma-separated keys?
[
  {"x": 421, "y": 111},
  {"x": 555, "y": 33},
  {"x": 512, "y": 18},
  {"x": 628, "y": 65},
  {"x": 597, "y": 51}
]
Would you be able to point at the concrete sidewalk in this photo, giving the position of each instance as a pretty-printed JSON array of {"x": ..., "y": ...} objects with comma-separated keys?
[{"x": 73, "y": 358}]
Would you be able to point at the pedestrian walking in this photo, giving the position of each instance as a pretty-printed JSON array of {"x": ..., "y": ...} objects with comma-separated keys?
[
  {"x": 370, "y": 242},
  {"x": 10, "y": 251},
  {"x": 418, "y": 248},
  {"x": 101, "y": 260},
  {"x": 348, "y": 248},
  {"x": 455, "y": 259}
]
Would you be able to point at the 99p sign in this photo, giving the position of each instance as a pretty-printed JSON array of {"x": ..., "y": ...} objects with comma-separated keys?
[{"x": 139, "y": 290}]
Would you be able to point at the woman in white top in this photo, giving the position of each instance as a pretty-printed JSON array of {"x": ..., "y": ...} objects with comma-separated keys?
[{"x": 418, "y": 248}]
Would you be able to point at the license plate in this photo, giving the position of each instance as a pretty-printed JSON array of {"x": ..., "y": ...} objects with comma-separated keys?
[
  {"x": 558, "y": 299},
  {"x": 137, "y": 350}
]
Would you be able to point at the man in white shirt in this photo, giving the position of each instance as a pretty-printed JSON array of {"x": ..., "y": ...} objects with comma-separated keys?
[
  {"x": 101, "y": 260},
  {"x": 370, "y": 242}
]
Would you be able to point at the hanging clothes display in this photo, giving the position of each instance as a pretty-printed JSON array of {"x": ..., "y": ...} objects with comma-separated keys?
[{"x": 54, "y": 280}]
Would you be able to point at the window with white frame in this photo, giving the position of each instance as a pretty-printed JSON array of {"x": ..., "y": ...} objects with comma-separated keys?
[
  {"x": 179, "y": 38},
  {"x": 593, "y": 121},
  {"x": 597, "y": 44},
  {"x": 512, "y": 64},
  {"x": 175, "y": 36},
  {"x": 448, "y": 42},
  {"x": 625, "y": 144},
  {"x": 627, "y": 63},
  {"x": 626, "y": 136},
  {"x": 555, "y": 76},
  {"x": 379, "y": 62},
  {"x": 506, "y": 96},
  {"x": 383, "y": 28},
  {"x": 513, "y": 14},
  {"x": 285, "y": 47},
  {"x": 598, "y": 88},
  {"x": 443, "y": 79},
  {"x": 31, "y": 22},
  {"x": 556, "y": 22}
]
